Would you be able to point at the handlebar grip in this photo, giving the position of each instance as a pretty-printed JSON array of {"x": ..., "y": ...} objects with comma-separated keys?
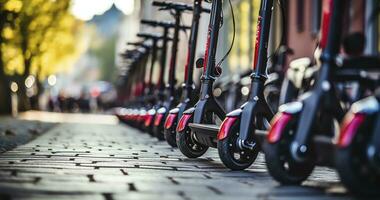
[
  {"x": 158, "y": 23},
  {"x": 134, "y": 43},
  {"x": 147, "y": 35},
  {"x": 159, "y": 3},
  {"x": 171, "y": 5},
  {"x": 150, "y": 22},
  {"x": 142, "y": 35}
]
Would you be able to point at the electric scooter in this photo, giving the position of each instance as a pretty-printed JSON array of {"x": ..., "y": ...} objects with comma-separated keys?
[
  {"x": 238, "y": 144},
  {"x": 302, "y": 133},
  {"x": 190, "y": 142},
  {"x": 136, "y": 63},
  {"x": 357, "y": 157},
  {"x": 168, "y": 99},
  {"x": 148, "y": 112},
  {"x": 188, "y": 94},
  {"x": 146, "y": 98}
]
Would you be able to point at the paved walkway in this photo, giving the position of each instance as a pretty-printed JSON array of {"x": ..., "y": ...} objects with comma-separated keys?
[{"x": 113, "y": 161}]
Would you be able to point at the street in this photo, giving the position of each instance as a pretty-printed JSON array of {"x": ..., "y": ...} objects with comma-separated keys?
[{"x": 110, "y": 161}]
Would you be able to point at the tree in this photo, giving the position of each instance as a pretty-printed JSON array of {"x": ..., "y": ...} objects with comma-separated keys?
[{"x": 41, "y": 41}]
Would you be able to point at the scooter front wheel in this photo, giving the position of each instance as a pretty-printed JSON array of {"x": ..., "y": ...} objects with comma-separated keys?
[
  {"x": 188, "y": 145},
  {"x": 354, "y": 169},
  {"x": 231, "y": 155},
  {"x": 158, "y": 132},
  {"x": 170, "y": 135},
  {"x": 279, "y": 162}
]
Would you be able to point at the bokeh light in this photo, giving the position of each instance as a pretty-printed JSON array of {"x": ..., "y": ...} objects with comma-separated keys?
[
  {"x": 126, "y": 6},
  {"x": 52, "y": 80},
  {"x": 86, "y": 10}
]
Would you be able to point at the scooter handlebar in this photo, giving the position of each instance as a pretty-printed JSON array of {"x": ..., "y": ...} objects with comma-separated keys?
[
  {"x": 139, "y": 45},
  {"x": 134, "y": 43},
  {"x": 148, "y": 35},
  {"x": 166, "y": 5},
  {"x": 163, "y": 24},
  {"x": 153, "y": 36},
  {"x": 157, "y": 23}
]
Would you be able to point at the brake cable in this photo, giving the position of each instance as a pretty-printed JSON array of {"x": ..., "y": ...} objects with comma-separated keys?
[
  {"x": 233, "y": 36},
  {"x": 282, "y": 41}
]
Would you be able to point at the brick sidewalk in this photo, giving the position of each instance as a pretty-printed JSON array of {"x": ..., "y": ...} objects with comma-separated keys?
[
  {"x": 110, "y": 162},
  {"x": 15, "y": 131}
]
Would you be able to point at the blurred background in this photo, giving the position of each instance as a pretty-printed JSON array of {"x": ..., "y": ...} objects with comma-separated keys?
[{"x": 64, "y": 55}]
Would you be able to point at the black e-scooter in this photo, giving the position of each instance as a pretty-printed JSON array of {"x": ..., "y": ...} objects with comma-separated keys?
[
  {"x": 238, "y": 144},
  {"x": 170, "y": 98},
  {"x": 158, "y": 96},
  {"x": 302, "y": 133},
  {"x": 156, "y": 93},
  {"x": 147, "y": 99},
  {"x": 189, "y": 141},
  {"x": 136, "y": 60},
  {"x": 357, "y": 158},
  {"x": 188, "y": 98}
]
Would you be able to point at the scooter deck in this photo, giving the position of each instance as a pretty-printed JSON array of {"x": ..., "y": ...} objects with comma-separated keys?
[
  {"x": 207, "y": 133},
  {"x": 205, "y": 129}
]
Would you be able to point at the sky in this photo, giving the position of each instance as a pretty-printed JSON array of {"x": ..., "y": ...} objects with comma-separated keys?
[{"x": 86, "y": 9}]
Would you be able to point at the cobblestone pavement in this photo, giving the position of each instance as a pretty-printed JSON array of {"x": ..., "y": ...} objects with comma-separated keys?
[{"x": 111, "y": 162}]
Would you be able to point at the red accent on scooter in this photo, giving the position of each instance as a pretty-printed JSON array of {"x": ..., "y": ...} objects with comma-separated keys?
[
  {"x": 207, "y": 50},
  {"x": 326, "y": 18},
  {"x": 135, "y": 117},
  {"x": 183, "y": 122},
  {"x": 148, "y": 120},
  {"x": 158, "y": 119},
  {"x": 139, "y": 89},
  {"x": 349, "y": 129},
  {"x": 170, "y": 120},
  {"x": 187, "y": 64},
  {"x": 225, "y": 127},
  {"x": 257, "y": 42},
  {"x": 278, "y": 125},
  {"x": 139, "y": 117}
]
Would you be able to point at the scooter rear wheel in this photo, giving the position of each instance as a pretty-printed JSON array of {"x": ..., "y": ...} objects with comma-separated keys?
[
  {"x": 354, "y": 170},
  {"x": 230, "y": 154},
  {"x": 188, "y": 146},
  {"x": 280, "y": 164}
]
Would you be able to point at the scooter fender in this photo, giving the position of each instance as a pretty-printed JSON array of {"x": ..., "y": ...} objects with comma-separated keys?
[
  {"x": 355, "y": 118},
  {"x": 149, "y": 117},
  {"x": 228, "y": 122},
  {"x": 286, "y": 113},
  {"x": 189, "y": 111},
  {"x": 161, "y": 112},
  {"x": 291, "y": 108},
  {"x": 173, "y": 113},
  {"x": 184, "y": 121},
  {"x": 235, "y": 113}
]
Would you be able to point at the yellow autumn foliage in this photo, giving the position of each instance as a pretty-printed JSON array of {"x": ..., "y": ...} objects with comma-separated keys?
[{"x": 38, "y": 37}]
